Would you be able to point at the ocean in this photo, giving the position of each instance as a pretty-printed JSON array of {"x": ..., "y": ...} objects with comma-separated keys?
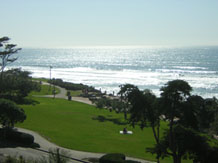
[{"x": 106, "y": 68}]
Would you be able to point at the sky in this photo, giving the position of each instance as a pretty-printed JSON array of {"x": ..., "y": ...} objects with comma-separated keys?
[{"x": 70, "y": 23}]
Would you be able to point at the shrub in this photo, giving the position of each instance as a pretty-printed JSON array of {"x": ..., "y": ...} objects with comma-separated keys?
[
  {"x": 18, "y": 137},
  {"x": 131, "y": 161},
  {"x": 72, "y": 86},
  {"x": 112, "y": 158},
  {"x": 10, "y": 113}
]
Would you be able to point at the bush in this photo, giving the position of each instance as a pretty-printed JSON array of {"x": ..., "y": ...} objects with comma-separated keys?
[
  {"x": 131, "y": 161},
  {"x": 112, "y": 158},
  {"x": 72, "y": 86},
  {"x": 115, "y": 158},
  {"x": 18, "y": 137},
  {"x": 10, "y": 113},
  {"x": 26, "y": 139}
]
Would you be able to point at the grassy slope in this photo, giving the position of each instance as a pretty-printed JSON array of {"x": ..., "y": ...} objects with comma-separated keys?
[
  {"x": 75, "y": 93},
  {"x": 74, "y": 125},
  {"x": 45, "y": 90}
]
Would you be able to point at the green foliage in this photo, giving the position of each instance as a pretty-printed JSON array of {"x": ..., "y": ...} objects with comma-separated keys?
[
  {"x": 10, "y": 113},
  {"x": 115, "y": 158},
  {"x": 14, "y": 84},
  {"x": 112, "y": 158},
  {"x": 84, "y": 130},
  {"x": 144, "y": 110},
  {"x": 75, "y": 93},
  {"x": 17, "y": 84},
  {"x": 103, "y": 102},
  {"x": 6, "y": 51},
  {"x": 208, "y": 114},
  {"x": 191, "y": 112},
  {"x": 214, "y": 126},
  {"x": 199, "y": 113},
  {"x": 45, "y": 90},
  {"x": 173, "y": 96},
  {"x": 185, "y": 114},
  {"x": 111, "y": 104},
  {"x": 131, "y": 161},
  {"x": 72, "y": 86},
  {"x": 189, "y": 144},
  {"x": 17, "y": 137},
  {"x": 126, "y": 89}
]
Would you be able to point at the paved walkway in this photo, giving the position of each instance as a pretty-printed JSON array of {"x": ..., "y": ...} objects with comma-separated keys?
[
  {"x": 46, "y": 145},
  {"x": 63, "y": 93},
  {"x": 30, "y": 153}
]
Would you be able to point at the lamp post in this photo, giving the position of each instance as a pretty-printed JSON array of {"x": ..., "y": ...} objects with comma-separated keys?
[{"x": 50, "y": 77}]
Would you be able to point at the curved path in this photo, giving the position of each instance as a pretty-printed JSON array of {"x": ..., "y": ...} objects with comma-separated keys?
[
  {"x": 30, "y": 153},
  {"x": 63, "y": 93}
]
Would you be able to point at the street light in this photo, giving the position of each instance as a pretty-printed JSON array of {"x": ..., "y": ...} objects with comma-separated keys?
[{"x": 50, "y": 77}]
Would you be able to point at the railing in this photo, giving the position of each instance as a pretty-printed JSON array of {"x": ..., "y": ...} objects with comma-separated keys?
[{"x": 70, "y": 158}]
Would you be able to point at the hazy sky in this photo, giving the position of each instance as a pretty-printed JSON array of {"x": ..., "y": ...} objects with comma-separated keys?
[{"x": 67, "y": 23}]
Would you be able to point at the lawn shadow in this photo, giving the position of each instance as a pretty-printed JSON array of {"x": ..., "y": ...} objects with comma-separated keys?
[
  {"x": 20, "y": 100},
  {"x": 117, "y": 121},
  {"x": 27, "y": 101}
]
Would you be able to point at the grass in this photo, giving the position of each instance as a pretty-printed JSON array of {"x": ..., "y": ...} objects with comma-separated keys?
[
  {"x": 45, "y": 90},
  {"x": 83, "y": 127},
  {"x": 41, "y": 79},
  {"x": 75, "y": 93}
]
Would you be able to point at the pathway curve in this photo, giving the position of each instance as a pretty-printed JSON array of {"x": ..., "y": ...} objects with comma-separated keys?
[
  {"x": 63, "y": 93},
  {"x": 46, "y": 145}
]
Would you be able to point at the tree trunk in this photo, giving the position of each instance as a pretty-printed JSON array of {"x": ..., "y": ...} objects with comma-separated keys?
[
  {"x": 172, "y": 136},
  {"x": 125, "y": 114},
  {"x": 156, "y": 136}
]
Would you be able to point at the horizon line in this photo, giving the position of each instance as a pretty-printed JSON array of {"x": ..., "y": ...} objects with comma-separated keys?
[{"x": 116, "y": 46}]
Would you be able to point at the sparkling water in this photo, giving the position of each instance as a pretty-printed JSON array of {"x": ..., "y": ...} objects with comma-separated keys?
[{"x": 108, "y": 67}]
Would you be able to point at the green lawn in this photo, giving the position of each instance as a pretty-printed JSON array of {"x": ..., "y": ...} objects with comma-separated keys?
[
  {"x": 41, "y": 79},
  {"x": 45, "y": 90},
  {"x": 75, "y": 93},
  {"x": 83, "y": 127}
]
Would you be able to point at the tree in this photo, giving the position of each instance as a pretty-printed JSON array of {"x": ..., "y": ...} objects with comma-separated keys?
[
  {"x": 6, "y": 52},
  {"x": 10, "y": 113},
  {"x": 143, "y": 109},
  {"x": 190, "y": 144},
  {"x": 17, "y": 84},
  {"x": 214, "y": 126},
  {"x": 124, "y": 91},
  {"x": 191, "y": 112},
  {"x": 173, "y": 97},
  {"x": 184, "y": 115}
]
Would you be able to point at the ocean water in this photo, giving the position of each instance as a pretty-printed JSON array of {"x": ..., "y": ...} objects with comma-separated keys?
[{"x": 106, "y": 68}]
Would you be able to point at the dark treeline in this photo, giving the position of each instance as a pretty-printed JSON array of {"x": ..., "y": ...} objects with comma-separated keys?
[
  {"x": 192, "y": 120},
  {"x": 15, "y": 85},
  {"x": 72, "y": 86}
]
